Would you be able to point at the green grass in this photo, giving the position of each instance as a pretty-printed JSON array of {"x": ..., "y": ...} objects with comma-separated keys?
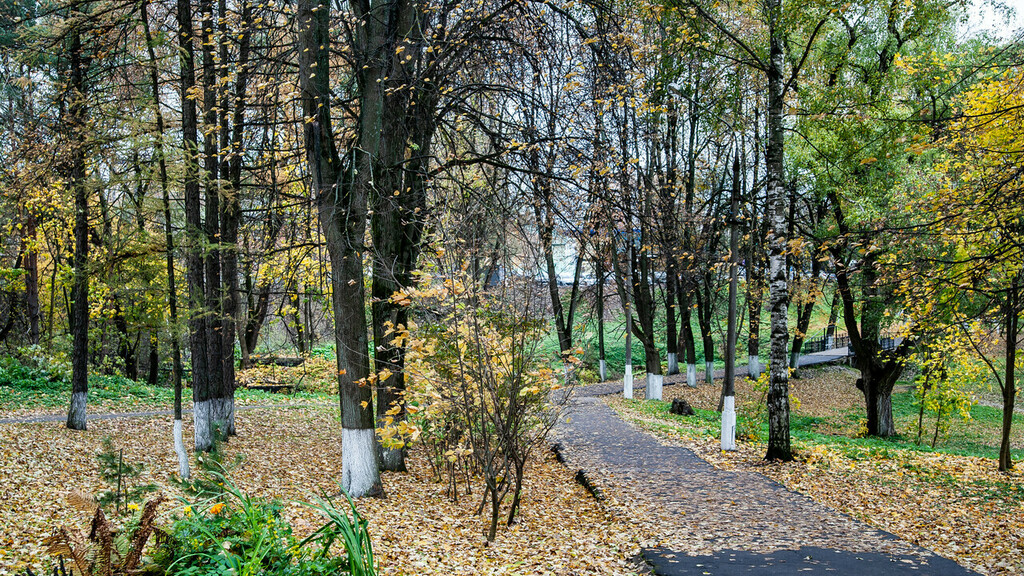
[
  {"x": 24, "y": 387},
  {"x": 978, "y": 437}
]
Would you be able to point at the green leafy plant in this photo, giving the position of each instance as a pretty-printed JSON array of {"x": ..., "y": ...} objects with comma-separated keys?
[
  {"x": 352, "y": 531},
  {"x": 122, "y": 478},
  {"x": 222, "y": 530}
]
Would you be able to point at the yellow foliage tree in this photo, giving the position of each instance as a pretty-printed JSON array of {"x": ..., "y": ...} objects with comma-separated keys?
[{"x": 969, "y": 263}]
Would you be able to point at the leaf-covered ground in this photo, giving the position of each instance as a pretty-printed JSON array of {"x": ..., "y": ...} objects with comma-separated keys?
[
  {"x": 956, "y": 505},
  {"x": 292, "y": 454}
]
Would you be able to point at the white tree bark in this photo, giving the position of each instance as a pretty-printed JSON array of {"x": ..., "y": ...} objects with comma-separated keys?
[
  {"x": 729, "y": 423},
  {"x": 691, "y": 375},
  {"x": 602, "y": 369},
  {"x": 179, "y": 449},
  {"x": 627, "y": 382},
  {"x": 359, "y": 469},
  {"x": 709, "y": 372},
  {"x": 673, "y": 363},
  {"x": 202, "y": 423},
  {"x": 654, "y": 385},
  {"x": 754, "y": 366},
  {"x": 76, "y": 412}
]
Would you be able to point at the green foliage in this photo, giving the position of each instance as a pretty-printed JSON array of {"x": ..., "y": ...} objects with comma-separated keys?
[
  {"x": 351, "y": 531},
  {"x": 232, "y": 534},
  {"x": 122, "y": 478}
]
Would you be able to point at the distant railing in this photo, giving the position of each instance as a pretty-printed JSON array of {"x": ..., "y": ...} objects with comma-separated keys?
[{"x": 826, "y": 342}]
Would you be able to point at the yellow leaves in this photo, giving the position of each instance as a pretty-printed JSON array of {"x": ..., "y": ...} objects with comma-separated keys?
[{"x": 869, "y": 160}]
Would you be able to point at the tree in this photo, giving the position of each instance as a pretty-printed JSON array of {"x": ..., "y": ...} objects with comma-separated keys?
[
  {"x": 781, "y": 27},
  {"x": 80, "y": 57},
  {"x": 971, "y": 263}
]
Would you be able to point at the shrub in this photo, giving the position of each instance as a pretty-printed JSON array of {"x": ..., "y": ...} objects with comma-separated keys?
[
  {"x": 480, "y": 395},
  {"x": 230, "y": 533}
]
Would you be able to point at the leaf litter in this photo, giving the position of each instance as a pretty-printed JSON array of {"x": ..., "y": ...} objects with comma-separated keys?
[{"x": 294, "y": 454}]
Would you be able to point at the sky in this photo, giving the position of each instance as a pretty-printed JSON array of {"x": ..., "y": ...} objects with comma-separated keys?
[{"x": 983, "y": 17}]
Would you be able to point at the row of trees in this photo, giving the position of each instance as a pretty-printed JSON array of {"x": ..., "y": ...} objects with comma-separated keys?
[{"x": 300, "y": 155}]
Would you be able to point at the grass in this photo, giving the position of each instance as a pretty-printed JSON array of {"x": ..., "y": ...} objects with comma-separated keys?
[
  {"x": 26, "y": 389},
  {"x": 843, "y": 429}
]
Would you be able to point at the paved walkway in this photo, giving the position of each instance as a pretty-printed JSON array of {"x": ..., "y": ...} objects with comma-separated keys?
[{"x": 722, "y": 522}]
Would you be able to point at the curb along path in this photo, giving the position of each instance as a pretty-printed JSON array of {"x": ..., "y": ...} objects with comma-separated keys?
[{"x": 719, "y": 522}]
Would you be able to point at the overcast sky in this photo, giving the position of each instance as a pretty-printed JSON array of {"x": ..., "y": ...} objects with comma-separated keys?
[{"x": 983, "y": 17}]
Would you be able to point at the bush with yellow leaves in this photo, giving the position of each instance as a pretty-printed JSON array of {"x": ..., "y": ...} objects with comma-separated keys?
[{"x": 479, "y": 397}]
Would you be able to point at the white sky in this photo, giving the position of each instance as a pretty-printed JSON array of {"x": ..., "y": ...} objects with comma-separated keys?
[{"x": 984, "y": 17}]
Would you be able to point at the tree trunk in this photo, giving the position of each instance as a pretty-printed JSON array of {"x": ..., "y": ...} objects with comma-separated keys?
[
  {"x": 172, "y": 291},
  {"x": 727, "y": 402},
  {"x": 80, "y": 288},
  {"x": 704, "y": 312},
  {"x": 209, "y": 406},
  {"x": 194, "y": 237},
  {"x": 599, "y": 275},
  {"x": 31, "y": 266},
  {"x": 1011, "y": 333},
  {"x": 342, "y": 206},
  {"x": 688, "y": 342},
  {"x": 778, "y": 386},
  {"x": 804, "y": 313},
  {"x": 230, "y": 207}
]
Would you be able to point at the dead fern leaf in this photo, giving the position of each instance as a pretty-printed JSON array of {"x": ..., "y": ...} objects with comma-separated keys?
[
  {"x": 82, "y": 501},
  {"x": 142, "y": 534},
  {"x": 69, "y": 544},
  {"x": 102, "y": 533}
]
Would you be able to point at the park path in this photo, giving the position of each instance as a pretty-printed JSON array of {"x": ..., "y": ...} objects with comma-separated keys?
[{"x": 719, "y": 522}]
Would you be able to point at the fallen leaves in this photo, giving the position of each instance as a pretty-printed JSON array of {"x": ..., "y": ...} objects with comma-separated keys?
[{"x": 294, "y": 453}]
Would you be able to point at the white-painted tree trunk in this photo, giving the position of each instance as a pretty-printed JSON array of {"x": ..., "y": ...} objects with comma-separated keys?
[
  {"x": 754, "y": 366},
  {"x": 222, "y": 414},
  {"x": 673, "y": 363},
  {"x": 76, "y": 411},
  {"x": 654, "y": 384},
  {"x": 202, "y": 423},
  {"x": 179, "y": 449},
  {"x": 627, "y": 382},
  {"x": 691, "y": 375},
  {"x": 729, "y": 423},
  {"x": 794, "y": 363},
  {"x": 602, "y": 369},
  {"x": 359, "y": 476},
  {"x": 709, "y": 372}
]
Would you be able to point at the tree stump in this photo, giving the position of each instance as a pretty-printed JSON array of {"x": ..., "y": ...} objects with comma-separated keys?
[{"x": 681, "y": 407}]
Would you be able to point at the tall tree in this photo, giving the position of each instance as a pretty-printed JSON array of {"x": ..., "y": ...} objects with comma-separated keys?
[
  {"x": 341, "y": 192},
  {"x": 80, "y": 59}
]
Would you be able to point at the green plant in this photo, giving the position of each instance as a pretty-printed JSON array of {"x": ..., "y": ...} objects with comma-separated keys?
[
  {"x": 240, "y": 537},
  {"x": 752, "y": 417},
  {"x": 352, "y": 531},
  {"x": 121, "y": 477},
  {"x": 230, "y": 533}
]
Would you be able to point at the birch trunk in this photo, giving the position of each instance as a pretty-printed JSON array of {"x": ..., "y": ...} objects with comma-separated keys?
[{"x": 778, "y": 386}]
